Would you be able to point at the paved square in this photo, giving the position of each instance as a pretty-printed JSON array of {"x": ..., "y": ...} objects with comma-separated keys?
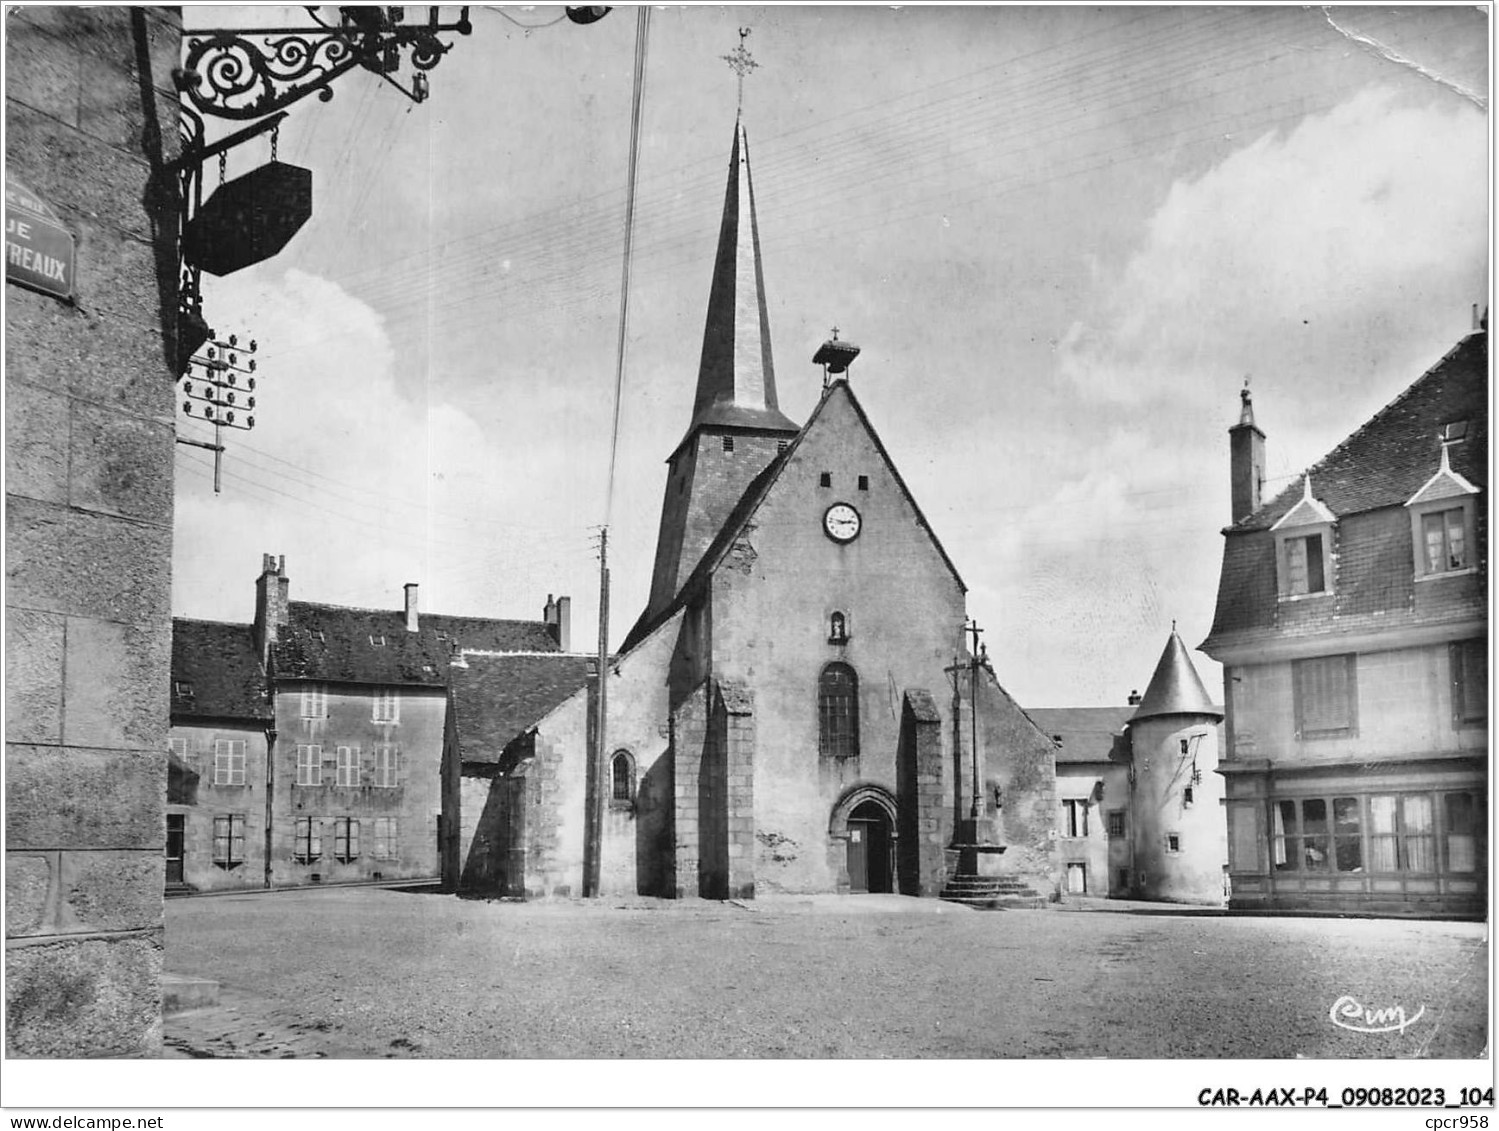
[{"x": 385, "y": 973}]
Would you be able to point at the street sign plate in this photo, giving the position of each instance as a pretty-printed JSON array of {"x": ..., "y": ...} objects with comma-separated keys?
[{"x": 39, "y": 251}]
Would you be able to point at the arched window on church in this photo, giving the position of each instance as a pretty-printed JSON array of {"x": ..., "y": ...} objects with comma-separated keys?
[
  {"x": 837, "y": 629},
  {"x": 622, "y": 774},
  {"x": 838, "y": 712}
]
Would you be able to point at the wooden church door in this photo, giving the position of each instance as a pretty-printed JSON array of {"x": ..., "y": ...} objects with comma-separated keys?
[{"x": 858, "y": 854}]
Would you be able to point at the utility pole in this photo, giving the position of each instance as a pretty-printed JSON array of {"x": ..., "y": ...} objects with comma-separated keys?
[{"x": 598, "y": 761}]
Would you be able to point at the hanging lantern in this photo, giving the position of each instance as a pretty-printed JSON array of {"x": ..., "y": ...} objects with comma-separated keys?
[{"x": 250, "y": 219}]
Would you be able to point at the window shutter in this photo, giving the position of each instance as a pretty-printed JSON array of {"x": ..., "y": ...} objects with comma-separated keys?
[{"x": 1314, "y": 578}]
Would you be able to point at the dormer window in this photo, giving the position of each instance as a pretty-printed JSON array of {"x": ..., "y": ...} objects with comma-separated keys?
[
  {"x": 1442, "y": 516},
  {"x": 1303, "y": 558},
  {"x": 1303, "y": 548}
]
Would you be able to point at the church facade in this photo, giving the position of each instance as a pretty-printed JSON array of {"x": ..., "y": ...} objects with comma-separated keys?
[{"x": 794, "y": 709}]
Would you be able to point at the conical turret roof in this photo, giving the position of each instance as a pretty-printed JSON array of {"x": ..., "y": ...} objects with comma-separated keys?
[
  {"x": 736, "y": 383},
  {"x": 1176, "y": 688}
]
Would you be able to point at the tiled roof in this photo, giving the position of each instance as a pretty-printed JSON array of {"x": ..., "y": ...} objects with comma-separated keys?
[
  {"x": 1382, "y": 465},
  {"x": 344, "y": 645},
  {"x": 221, "y": 671},
  {"x": 1388, "y": 460},
  {"x": 1088, "y": 734},
  {"x": 497, "y": 698}
]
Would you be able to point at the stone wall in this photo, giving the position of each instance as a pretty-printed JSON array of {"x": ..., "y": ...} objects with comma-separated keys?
[
  {"x": 91, "y": 117},
  {"x": 415, "y": 802},
  {"x": 204, "y": 799}
]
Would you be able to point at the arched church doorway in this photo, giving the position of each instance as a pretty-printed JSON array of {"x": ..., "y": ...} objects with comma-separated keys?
[{"x": 871, "y": 856}]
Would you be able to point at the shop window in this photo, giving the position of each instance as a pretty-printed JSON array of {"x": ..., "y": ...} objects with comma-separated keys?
[
  {"x": 1074, "y": 818},
  {"x": 229, "y": 761},
  {"x": 1326, "y": 695},
  {"x": 1347, "y": 829},
  {"x": 309, "y": 840},
  {"x": 1462, "y": 828},
  {"x": 1470, "y": 681},
  {"x": 309, "y": 765},
  {"x": 838, "y": 712},
  {"x": 229, "y": 840},
  {"x": 1401, "y": 836},
  {"x": 345, "y": 839}
]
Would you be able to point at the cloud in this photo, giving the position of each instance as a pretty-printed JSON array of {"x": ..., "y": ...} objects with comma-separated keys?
[
  {"x": 1305, "y": 254},
  {"x": 1335, "y": 263},
  {"x": 362, "y": 483}
]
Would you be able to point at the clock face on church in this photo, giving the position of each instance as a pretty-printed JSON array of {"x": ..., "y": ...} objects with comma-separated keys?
[{"x": 841, "y": 522}]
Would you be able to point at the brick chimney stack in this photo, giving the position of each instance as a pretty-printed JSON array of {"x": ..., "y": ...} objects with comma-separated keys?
[
  {"x": 558, "y": 616},
  {"x": 272, "y": 603},
  {"x": 411, "y": 616},
  {"x": 1246, "y": 460}
]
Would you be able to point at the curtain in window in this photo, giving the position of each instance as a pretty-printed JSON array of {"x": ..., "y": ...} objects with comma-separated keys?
[
  {"x": 1348, "y": 849},
  {"x": 1419, "y": 841},
  {"x": 1287, "y": 845},
  {"x": 1382, "y": 854}
]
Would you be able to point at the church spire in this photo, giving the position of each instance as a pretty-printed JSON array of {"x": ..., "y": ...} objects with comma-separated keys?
[{"x": 736, "y": 383}]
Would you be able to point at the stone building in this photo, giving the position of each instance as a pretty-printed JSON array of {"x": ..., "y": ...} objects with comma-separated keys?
[
  {"x": 307, "y": 745},
  {"x": 793, "y": 709},
  {"x": 1352, "y": 625},
  {"x": 91, "y": 122},
  {"x": 1141, "y": 806},
  {"x": 223, "y": 727}
]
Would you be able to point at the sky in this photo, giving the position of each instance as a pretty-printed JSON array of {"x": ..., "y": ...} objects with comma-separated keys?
[{"x": 1062, "y": 236}]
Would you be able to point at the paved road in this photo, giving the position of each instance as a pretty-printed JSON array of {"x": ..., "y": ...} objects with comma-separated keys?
[{"x": 376, "y": 973}]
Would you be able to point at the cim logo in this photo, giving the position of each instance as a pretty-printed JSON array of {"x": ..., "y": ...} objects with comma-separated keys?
[{"x": 1348, "y": 1013}]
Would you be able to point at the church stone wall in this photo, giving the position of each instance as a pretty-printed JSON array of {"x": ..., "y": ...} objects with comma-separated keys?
[
  {"x": 1021, "y": 762},
  {"x": 91, "y": 120},
  {"x": 773, "y": 597}
]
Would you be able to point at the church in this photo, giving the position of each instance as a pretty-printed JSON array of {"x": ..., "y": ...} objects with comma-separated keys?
[{"x": 796, "y": 708}]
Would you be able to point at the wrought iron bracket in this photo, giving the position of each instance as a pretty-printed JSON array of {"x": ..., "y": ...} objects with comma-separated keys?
[{"x": 246, "y": 73}]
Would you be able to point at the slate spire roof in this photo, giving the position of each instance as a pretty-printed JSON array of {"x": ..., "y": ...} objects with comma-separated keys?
[
  {"x": 736, "y": 382},
  {"x": 1176, "y": 688}
]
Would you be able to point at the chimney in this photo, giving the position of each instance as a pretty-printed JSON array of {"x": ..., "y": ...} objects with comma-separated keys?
[
  {"x": 558, "y": 616},
  {"x": 1134, "y": 698},
  {"x": 272, "y": 603},
  {"x": 411, "y": 619},
  {"x": 1246, "y": 460}
]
